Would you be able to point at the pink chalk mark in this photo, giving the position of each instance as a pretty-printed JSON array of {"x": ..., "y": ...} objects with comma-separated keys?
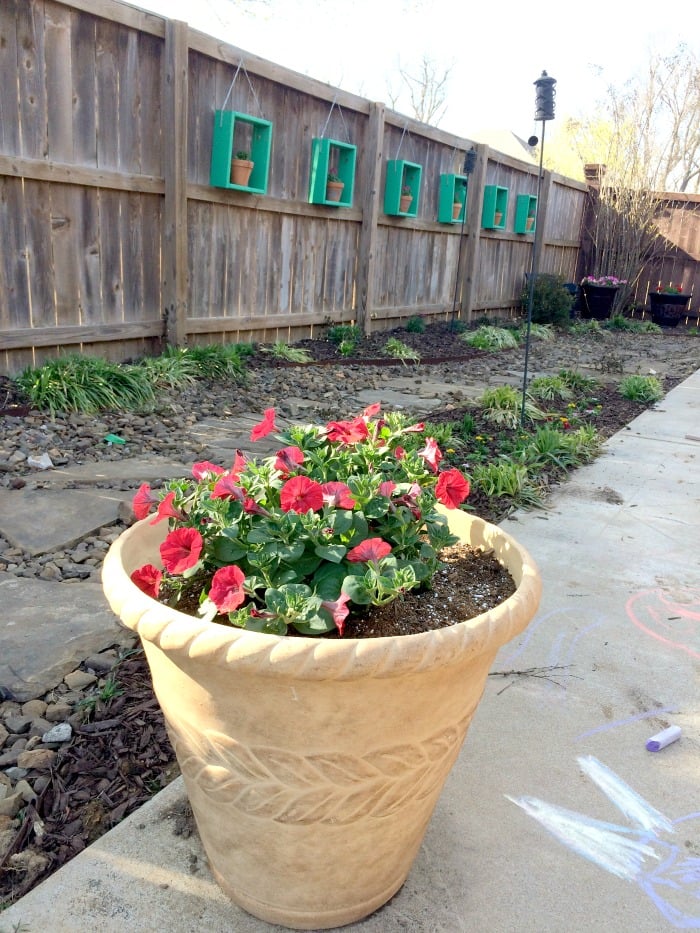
[{"x": 668, "y": 620}]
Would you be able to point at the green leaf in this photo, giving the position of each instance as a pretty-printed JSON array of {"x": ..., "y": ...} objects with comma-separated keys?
[
  {"x": 332, "y": 552},
  {"x": 355, "y": 588},
  {"x": 316, "y": 624},
  {"x": 224, "y": 550},
  {"x": 328, "y": 580}
]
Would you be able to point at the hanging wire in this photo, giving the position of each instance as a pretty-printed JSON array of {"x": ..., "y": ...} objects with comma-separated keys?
[
  {"x": 241, "y": 67},
  {"x": 342, "y": 119},
  {"x": 544, "y": 110}
]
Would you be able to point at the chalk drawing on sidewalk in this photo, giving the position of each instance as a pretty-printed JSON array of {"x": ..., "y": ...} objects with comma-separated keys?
[
  {"x": 558, "y": 630},
  {"x": 673, "y": 620},
  {"x": 666, "y": 870}
]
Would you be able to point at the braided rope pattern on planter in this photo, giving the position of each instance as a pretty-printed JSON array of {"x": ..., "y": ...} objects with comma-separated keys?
[
  {"x": 311, "y": 658},
  {"x": 333, "y": 788}
]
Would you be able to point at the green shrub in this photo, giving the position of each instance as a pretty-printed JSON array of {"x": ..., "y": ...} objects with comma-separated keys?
[
  {"x": 551, "y": 302},
  {"x": 646, "y": 389},
  {"x": 415, "y": 325},
  {"x": 340, "y": 332},
  {"x": 488, "y": 337}
]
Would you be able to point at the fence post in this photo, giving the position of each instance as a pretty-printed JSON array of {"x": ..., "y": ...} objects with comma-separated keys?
[
  {"x": 542, "y": 209},
  {"x": 467, "y": 274},
  {"x": 366, "y": 278},
  {"x": 175, "y": 175}
]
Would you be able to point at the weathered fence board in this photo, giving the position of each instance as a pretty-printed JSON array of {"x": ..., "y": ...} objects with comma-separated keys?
[{"x": 113, "y": 237}]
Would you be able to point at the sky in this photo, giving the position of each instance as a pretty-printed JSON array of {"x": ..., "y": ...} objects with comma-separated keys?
[{"x": 495, "y": 51}]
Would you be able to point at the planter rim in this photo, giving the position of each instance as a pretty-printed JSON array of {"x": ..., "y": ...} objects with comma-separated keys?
[{"x": 312, "y": 658}]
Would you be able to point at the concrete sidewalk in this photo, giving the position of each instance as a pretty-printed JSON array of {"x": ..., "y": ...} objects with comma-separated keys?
[{"x": 611, "y": 658}]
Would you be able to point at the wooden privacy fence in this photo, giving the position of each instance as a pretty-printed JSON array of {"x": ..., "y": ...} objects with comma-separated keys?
[{"x": 114, "y": 239}]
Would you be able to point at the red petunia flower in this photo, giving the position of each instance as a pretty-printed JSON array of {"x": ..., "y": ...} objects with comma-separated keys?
[
  {"x": 338, "y": 495},
  {"x": 347, "y": 432},
  {"x": 181, "y": 549},
  {"x": 372, "y": 410},
  {"x": 266, "y": 426},
  {"x": 166, "y": 509},
  {"x": 452, "y": 488},
  {"x": 338, "y": 609},
  {"x": 414, "y": 428},
  {"x": 431, "y": 453},
  {"x": 147, "y": 578},
  {"x": 144, "y": 500},
  {"x": 227, "y": 588},
  {"x": 371, "y": 549},
  {"x": 206, "y": 470},
  {"x": 386, "y": 488},
  {"x": 399, "y": 453},
  {"x": 288, "y": 459},
  {"x": 300, "y": 494}
]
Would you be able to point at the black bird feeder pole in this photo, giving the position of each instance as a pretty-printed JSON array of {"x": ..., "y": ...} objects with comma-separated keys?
[{"x": 544, "y": 110}]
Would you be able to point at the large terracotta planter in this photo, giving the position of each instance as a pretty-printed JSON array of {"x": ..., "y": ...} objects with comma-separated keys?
[{"x": 313, "y": 765}]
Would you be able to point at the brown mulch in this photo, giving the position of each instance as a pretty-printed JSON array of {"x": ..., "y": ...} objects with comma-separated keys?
[{"x": 117, "y": 759}]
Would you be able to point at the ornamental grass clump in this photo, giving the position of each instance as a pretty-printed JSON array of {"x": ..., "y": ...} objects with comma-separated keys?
[{"x": 343, "y": 516}]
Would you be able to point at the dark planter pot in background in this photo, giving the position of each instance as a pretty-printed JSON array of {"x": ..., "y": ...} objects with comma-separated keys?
[
  {"x": 597, "y": 301},
  {"x": 667, "y": 310}
]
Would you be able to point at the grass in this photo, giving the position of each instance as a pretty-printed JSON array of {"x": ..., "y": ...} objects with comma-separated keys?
[
  {"x": 86, "y": 384},
  {"x": 282, "y": 351},
  {"x": 401, "y": 351},
  {"x": 488, "y": 337},
  {"x": 645, "y": 389},
  {"x": 75, "y": 383}
]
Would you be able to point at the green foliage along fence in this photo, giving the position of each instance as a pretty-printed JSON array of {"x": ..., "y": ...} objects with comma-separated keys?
[{"x": 114, "y": 239}]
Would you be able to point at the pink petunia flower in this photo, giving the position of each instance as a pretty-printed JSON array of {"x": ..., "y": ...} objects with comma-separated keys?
[
  {"x": 399, "y": 453},
  {"x": 166, "y": 509},
  {"x": 265, "y": 427},
  {"x": 147, "y": 578},
  {"x": 226, "y": 590},
  {"x": 386, "y": 488},
  {"x": 253, "y": 508},
  {"x": 414, "y": 428},
  {"x": 431, "y": 453},
  {"x": 372, "y": 410},
  {"x": 206, "y": 470},
  {"x": 338, "y": 609},
  {"x": 227, "y": 488},
  {"x": 300, "y": 494},
  {"x": 288, "y": 459},
  {"x": 338, "y": 495},
  {"x": 239, "y": 462},
  {"x": 371, "y": 549},
  {"x": 347, "y": 432},
  {"x": 452, "y": 488},
  {"x": 181, "y": 549},
  {"x": 144, "y": 500}
]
